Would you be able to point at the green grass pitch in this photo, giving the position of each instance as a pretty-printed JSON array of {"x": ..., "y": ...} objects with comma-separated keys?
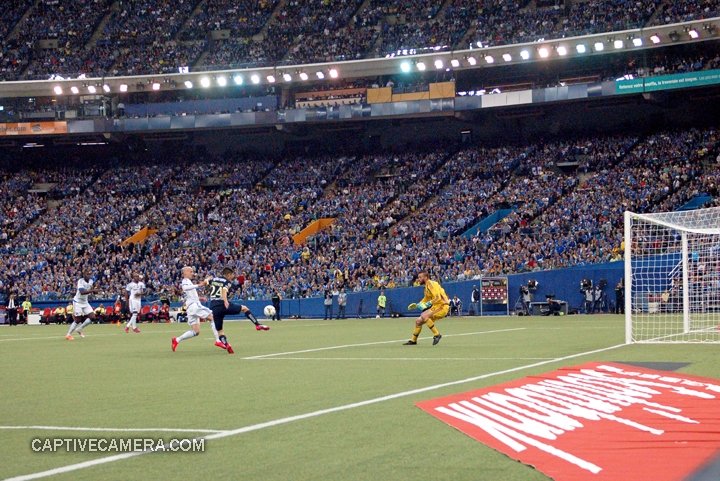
[{"x": 133, "y": 381}]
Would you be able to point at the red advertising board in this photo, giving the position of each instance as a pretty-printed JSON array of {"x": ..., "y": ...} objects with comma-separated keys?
[{"x": 597, "y": 421}]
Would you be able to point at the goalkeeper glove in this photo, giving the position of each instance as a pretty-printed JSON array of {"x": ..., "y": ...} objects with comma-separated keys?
[{"x": 421, "y": 305}]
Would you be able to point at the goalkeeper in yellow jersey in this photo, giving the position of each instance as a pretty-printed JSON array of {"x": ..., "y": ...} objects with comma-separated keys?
[{"x": 434, "y": 305}]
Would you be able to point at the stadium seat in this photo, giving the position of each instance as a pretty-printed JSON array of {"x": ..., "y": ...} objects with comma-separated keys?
[
  {"x": 145, "y": 315},
  {"x": 45, "y": 317},
  {"x": 154, "y": 313},
  {"x": 164, "y": 314}
]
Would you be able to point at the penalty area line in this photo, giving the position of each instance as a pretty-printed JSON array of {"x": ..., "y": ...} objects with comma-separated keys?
[
  {"x": 376, "y": 343},
  {"x": 401, "y": 359},
  {"x": 300, "y": 417}
]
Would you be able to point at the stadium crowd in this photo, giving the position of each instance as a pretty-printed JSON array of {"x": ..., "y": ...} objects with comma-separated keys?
[
  {"x": 393, "y": 213},
  {"x": 152, "y": 36}
]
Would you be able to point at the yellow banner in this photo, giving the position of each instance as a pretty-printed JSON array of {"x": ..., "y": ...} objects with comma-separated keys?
[{"x": 33, "y": 128}]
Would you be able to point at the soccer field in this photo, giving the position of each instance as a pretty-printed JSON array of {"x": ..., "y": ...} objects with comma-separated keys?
[{"x": 326, "y": 400}]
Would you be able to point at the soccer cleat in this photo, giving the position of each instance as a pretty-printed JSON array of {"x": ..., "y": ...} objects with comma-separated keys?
[
  {"x": 410, "y": 343},
  {"x": 69, "y": 337},
  {"x": 135, "y": 329},
  {"x": 174, "y": 343},
  {"x": 127, "y": 329},
  {"x": 81, "y": 334},
  {"x": 436, "y": 339},
  {"x": 230, "y": 349},
  {"x": 220, "y": 345},
  {"x": 261, "y": 327}
]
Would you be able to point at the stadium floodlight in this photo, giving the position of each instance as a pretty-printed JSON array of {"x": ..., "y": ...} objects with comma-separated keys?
[
  {"x": 74, "y": 90},
  {"x": 455, "y": 63},
  {"x": 123, "y": 88},
  {"x": 655, "y": 39},
  {"x": 156, "y": 86},
  {"x": 255, "y": 78},
  {"x": 507, "y": 57},
  {"x": 405, "y": 67},
  {"x": 188, "y": 84},
  {"x": 637, "y": 41},
  {"x": 543, "y": 52},
  {"x": 421, "y": 66},
  {"x": 439, "y": 64},
  {"x": 287, "y": 77},
  {"x": 221, "y": 81},
  {"x": 562, "y": 51},
  {"x": 489, "y": 59},
  {"x": 580, "y": 48},
  {"x": 599, "y": 46},
  {"x": 618, "y": 44},
  {"x": 238, "y": 79},
  {"x": 693, "y": 33},
  {"x": 58, "y": 90},
  {"x": 106, "y": 88},
  {"x": 303, "y": 76},
  {"x": 320, "y": 75},
  {"x": 472, "y": 61},
  {"x": 92, "y": 89},
  {"x": 334, "y": 73},
  {"x": 525, "y": 54},
  {"x": 271, "y": 79},
  {"x": 205, "y": 82}
]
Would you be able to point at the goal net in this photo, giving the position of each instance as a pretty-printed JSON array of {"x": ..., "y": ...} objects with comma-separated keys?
[{"x": 672, "y": 276}]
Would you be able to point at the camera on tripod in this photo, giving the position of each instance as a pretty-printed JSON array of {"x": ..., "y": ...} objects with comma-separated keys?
[{"x": 531, "y": 286}]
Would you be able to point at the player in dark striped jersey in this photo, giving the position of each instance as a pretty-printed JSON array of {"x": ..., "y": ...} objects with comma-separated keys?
[{"x": 221, "y": 307}]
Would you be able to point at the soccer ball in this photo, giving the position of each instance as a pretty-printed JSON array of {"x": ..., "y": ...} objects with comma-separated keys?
[{"x": 269, "y": 311}]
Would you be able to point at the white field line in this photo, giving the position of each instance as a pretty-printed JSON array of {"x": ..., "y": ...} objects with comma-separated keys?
[
  {"x": 59, "y": 338},
  {"x": 112, "y": 430},
  {"x": 376, "y": 343},
  {"x": 399, "y": 358},
  {"x": 300, "y": 417}
]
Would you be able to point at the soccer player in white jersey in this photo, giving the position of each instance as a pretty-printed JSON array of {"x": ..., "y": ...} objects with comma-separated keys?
[
  {"x": 133, "y": 297},
  {"x": 195, "y": 309},
  {"x": 81, "y": 307}
]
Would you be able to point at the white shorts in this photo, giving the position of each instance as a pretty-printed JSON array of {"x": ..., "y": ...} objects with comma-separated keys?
[
  {"x": 197, "y": 311},
  {"x": 134, "y": 305},
  {"x": 81, "y": 310}
]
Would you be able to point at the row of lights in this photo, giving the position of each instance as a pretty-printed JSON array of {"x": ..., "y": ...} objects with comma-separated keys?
[
  {"x": 238, "y": 79},
  {"x": 93, "y": 89},
  {"x": 205, "y": 82},
  {"x": 561, "y": 50}
]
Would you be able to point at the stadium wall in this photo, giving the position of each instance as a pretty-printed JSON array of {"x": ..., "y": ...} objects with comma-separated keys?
[{"x": 563, "y": 283}]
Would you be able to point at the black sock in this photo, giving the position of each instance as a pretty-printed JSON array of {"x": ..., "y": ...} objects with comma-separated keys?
[
  {"x": 251, "y": 316},
  {"x": 223, "y": 339}
]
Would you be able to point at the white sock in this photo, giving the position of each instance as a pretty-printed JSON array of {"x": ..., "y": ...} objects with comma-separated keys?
[
  {"x": 133, "y": 320},
  {"x": 215, "y": 333},
  {"x": 72, "y": 328},
  {"x": 84, "y": 324},
  {"x": 187, "y": 335}
]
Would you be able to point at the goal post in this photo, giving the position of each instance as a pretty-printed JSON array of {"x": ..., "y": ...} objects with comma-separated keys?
[{"x": 672, "y": 277}]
